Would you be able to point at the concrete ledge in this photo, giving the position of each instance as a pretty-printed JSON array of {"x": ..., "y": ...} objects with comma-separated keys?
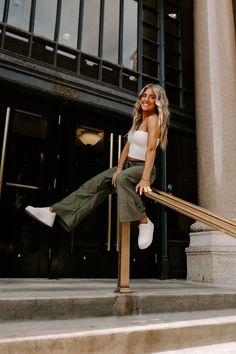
[
  {"x": 63, "y": 308},
  {"x": 37, "y": 309}
]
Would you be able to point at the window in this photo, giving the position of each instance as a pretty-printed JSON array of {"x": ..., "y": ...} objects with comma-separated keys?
[
  {"x": 69, "y": 23},
  {"x": 19, "y": 13},
  {"x": 150, "y": 40},
  {"x": 90, "y": 31},
  {"x": 1, "y": 9},
  {"x": 111, "y": 31},
  {"x": 45, "y": 18},
  {"x": 173, "y": 51},
  {"x": 130, "y": 34}
]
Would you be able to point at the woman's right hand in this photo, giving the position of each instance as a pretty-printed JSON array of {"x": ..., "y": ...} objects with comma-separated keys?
[{"x": 113, "y": 182}]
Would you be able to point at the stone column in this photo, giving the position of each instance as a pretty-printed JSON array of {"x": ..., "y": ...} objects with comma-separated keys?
[
  {"x": 215, "y": 93},
  {"x": 234, "y": 7}
]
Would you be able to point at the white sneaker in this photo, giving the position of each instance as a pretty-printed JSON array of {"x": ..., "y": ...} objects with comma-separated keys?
[
  {"x": 145, "y": 234},
  {"x": 43, "y": 215}
]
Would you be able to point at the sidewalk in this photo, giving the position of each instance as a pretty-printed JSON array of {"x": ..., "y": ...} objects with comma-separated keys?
[{"x": 79, "y": 287}]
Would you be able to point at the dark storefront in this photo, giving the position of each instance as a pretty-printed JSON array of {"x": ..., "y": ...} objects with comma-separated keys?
[{"x": 69, "y": 76}]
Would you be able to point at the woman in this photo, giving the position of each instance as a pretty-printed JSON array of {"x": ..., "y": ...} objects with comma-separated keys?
[{"x": 133, "y": 175}]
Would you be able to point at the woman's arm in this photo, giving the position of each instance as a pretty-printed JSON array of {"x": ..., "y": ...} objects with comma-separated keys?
[{"x": 153, "y": 135}]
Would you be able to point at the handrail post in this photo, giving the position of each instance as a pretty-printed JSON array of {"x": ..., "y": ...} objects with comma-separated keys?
[{"x": 124, "y": 259}]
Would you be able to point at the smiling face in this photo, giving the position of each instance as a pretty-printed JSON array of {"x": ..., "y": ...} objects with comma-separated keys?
[{"x": 147, "y": 101}]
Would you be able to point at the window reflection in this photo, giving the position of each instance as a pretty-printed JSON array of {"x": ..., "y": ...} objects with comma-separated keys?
[
  {"x": 69, "y": 23},
  {"x": 89, "y": 137},
  {"x": 130, "y": 34},
  {"x": 45, "y": 18},
  {"x": 90, "y": 32},
  {"x": 111, "y": 30},
  {"x": 1, "y": 9},
  {"x": 19, "y": 13}
]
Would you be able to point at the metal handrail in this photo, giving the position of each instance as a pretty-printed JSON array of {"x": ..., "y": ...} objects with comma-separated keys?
[
  {"x": 191, "y": 210},
  {"x": 194, "y": 211}
]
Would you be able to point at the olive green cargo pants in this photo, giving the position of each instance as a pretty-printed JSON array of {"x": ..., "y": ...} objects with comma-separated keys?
[{"x": 77, "y": 205}]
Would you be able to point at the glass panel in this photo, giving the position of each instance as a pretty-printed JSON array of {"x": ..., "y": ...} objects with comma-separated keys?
[
  {"x": 173, "y": 94},
  {"x": 171, "y": 26},
  {"x": 150, "y": 32},
  {"x": 69, "y": 23},
  {"x": 150, "y": 67},
  {"x": 172, "y": 75},
  {"x": 90, "y": 137},
  {"x": 172, "y": 58},
  {"x": 45, "y": 18},
  {"x": 172, "y": 43},
  {"x": 1, "y": 9},
  {"x": 130, "y": 34},
  {"x": 90, "y": 33},
  {"x": 19, "y": 13},
  {"x": 149, "y": 80},
  {"x": 111, "y": 30},
  {"x": 187, "y": 44},
  {"x": 150, "y": 3},
  {"x": 150, "y": 49},
  {"x": 150, "y": 16},
  {"x": 24, "y": 247},
  {"x": 29, "y": 125},
  {"x": 29, "y": 132},
  {"x": 171, "y": 11}
]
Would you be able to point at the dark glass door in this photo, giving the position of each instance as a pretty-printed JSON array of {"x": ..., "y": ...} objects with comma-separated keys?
[
  {"x": 90, "y": 144},
  {"x": 28, "y": 163}
]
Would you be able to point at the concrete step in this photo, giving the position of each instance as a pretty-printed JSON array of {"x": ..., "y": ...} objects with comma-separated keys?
[
  {"x": 150, "y": 333},
  {"x": 223, "y": 348},
  {"x": 42, "y": 299}
]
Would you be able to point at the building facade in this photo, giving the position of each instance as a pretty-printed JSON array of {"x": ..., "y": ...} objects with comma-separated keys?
[
  {"x": 212, "y": 254},
  {"x": 70, "y": 72}
]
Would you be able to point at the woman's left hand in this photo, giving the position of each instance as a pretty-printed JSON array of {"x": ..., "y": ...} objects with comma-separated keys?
[{"x": 143, "y": 186}]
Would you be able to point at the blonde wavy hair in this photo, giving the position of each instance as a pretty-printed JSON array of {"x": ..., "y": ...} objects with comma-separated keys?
[{"x": 162, "y": 104}]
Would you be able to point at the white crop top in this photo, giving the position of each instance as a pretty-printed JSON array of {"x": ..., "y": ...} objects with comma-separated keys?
[{"x": 138, "y": 144}]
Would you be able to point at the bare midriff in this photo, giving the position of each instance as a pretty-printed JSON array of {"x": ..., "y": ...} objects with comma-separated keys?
[{"x": 133, "y": 159}]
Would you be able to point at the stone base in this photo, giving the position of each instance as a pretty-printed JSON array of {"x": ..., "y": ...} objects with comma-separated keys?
[{"x": 211, "y": 257}]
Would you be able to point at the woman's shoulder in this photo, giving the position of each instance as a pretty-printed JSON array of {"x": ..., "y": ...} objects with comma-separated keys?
[{"x": 153, "y": 119}]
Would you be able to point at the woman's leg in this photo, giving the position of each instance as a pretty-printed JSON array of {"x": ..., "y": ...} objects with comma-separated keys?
[
  {"x": 72, "y": 209},
  {"x": 130, "y": 203},
  {"x": 77, "y": 205}
]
